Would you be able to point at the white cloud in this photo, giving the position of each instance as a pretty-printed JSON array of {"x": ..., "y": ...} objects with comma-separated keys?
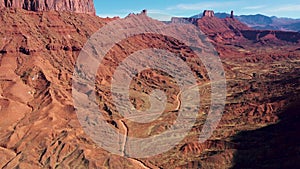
[
  {"x": 200, "y": 6},
  {"x": 254, "y": 7},
  {"x": 107, "y": 15},
  {"x": 159, "y": 15},
  {"x": 288, "y": 8}
]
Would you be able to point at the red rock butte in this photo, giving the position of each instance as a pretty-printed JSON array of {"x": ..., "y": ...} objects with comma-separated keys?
[
  {"x": 209, "y": 13},
  {"x": 77, "y": 6}
]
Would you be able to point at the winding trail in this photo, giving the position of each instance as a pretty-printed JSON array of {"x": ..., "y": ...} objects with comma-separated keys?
[
  {"x": 136, "y": 162},
  {"x": 125, "y": 128},
  {"x": 180, "y": 93}
]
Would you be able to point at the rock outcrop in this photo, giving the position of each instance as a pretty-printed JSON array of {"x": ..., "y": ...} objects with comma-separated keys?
[
  {"x": 231, "y": 14},
  {"x": 77, "y": 6},
  {"x": 228, "y": 30},
  {"x": 220, "y": 30},
  {"x": 209, "y": 13},
  {"x": 265, "y": 36}
]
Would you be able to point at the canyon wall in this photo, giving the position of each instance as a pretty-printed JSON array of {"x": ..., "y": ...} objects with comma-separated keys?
[
  {"x": 209, "y": 13},
  {"x": 77, "y": 6}
]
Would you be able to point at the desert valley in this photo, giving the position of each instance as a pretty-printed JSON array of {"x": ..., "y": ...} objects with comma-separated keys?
[{"x": 39, "y": 127}]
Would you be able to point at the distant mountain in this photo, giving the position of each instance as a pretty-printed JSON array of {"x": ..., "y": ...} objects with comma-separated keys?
[
  {"x": 226, "y": 29},
  {"x": 257, "y": 19},
  {"x": 263, "y": 22}
]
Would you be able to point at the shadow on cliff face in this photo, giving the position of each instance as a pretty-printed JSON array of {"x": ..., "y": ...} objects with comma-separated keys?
[{"x": 275, "y": 146}]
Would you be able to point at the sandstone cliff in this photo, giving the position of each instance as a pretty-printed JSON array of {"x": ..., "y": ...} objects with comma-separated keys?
[
  {"x": 230, "y": 30},
  {"x": 77, "y": 6},
  {"x": 209, "y": 13}
]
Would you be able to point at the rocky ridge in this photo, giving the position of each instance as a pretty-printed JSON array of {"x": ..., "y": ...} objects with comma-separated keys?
[
  {"x": 230, "y": 30},
  {"x": 77, "y": 6}
]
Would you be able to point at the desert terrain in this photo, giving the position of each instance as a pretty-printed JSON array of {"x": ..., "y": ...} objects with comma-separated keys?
[{"x": 39, "y": 127}]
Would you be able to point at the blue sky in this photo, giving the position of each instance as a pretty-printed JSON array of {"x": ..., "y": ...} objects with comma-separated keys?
[{"x": 162, "y": 9}]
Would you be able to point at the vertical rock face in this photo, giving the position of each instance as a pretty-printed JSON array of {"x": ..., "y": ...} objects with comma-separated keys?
[
  {"x": 78, "y": 6},
  {"x": 231, "y": 14},
  {"x": 209, "y": 13}
]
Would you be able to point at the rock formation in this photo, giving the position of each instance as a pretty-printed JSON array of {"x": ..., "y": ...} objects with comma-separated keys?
[
  {"x": 229, "y": 30},
  {"x": 144, "y": 12},
  {"x": 209, "y": 13},
  {"x": 78, "y": 6},
  {"x": 231, "y": 14}
]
